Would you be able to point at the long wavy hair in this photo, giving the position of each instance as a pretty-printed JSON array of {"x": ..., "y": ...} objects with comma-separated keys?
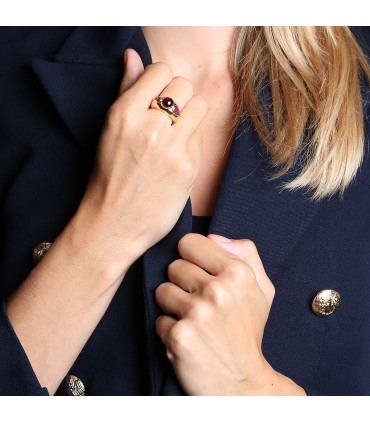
[{"x": 313, "y": 116}]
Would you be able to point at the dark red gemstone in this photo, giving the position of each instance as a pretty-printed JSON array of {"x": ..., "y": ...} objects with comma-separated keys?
[
  {"x": 167, "y": 102},
  {"x": 176, "y": 110}
]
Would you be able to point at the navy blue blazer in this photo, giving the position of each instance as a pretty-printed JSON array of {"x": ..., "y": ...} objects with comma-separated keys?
[{"x": 56, "y": 85}]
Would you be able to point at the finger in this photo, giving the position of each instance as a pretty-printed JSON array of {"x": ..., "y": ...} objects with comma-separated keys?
[
  {"x": 187, "y": 275},
  {"x": 245, "y": 249},
  {"x": 172, "y": 299},
  {"x": 163, "y": 327},
  {"x": 134, "y": 68},
  {"x": 204, "y": 253},
  {"x": 192, "y": 115},
  {"x": 149, "y": 84},
  {"x": 180, "y": 90}
]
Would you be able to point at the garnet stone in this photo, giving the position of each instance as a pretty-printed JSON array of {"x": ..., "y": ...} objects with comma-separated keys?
[{"x": 167, "y": 102}]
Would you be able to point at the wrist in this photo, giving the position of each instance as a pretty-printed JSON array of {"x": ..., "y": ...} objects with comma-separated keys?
[
  {"x": 269, "y": 382},
  {"x": 87, "y": 243}
]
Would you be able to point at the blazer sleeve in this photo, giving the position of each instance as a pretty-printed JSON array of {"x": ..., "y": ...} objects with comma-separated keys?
[
  {"x": 16, "y": 373},
  {"x": 20, "y": 130}
]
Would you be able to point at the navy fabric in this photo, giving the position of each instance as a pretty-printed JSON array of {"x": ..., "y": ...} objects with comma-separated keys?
[
  {"x": 56, "y": 86},
  {"x": 201, "y": 224}
]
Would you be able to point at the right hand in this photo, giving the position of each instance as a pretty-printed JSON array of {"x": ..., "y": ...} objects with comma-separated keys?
[{"x": 145, "y": 166}]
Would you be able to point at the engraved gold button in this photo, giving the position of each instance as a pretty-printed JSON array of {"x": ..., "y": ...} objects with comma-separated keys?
[
  {"x": 326, "y": 302},
  {"x": 40, "y": 250},
  {"x": 76, "y": 386}
]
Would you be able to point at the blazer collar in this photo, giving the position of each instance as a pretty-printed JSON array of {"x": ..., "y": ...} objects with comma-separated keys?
[
  {"x": 83, "y": 77},
  {"x": 82, "y": 81}
]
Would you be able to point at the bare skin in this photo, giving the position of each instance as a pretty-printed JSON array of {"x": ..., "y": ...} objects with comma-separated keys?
[{"x": 158, "y": 167}]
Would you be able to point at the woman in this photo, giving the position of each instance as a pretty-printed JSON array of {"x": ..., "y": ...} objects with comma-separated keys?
[{"x": 123, "y": 274}]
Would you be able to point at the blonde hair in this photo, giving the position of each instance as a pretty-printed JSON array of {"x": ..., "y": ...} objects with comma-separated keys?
[{"x": 313, "y": 117}]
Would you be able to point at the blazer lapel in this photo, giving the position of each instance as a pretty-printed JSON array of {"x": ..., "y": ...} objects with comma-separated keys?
[
  {"x": 83, "y": 79},
  {"x": 251, "y": 207},
  {"x": 156, "y": 261}
]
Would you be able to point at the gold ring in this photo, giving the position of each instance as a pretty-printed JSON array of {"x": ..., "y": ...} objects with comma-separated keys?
[{"x": 168, "y": 106}]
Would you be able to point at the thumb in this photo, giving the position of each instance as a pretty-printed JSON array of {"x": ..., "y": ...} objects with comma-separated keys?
[
  {"x": 134, "y": 68},
  {"x": 247, "y": 251},
  {"x": 230, "y": 245}
]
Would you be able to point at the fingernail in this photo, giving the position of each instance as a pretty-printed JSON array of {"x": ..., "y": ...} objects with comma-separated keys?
[{"x": 220, "y": 238}]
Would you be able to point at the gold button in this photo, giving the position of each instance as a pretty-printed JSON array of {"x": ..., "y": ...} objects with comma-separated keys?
[
  {"x": 326, "y": 302},
  {"x": 76, "y": 386},
  {"x": 40, "y": 250}
]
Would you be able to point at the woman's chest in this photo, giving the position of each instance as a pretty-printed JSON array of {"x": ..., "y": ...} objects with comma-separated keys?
[{"x": 217, "y": 139}]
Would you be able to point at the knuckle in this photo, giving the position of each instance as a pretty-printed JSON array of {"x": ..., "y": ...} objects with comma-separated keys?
[
  {"x": 183, "y": 167},
  {"x": 239, "y": 270},
  {"x": 186, "y": 168},
  {"x": 200, "y": 311},
  {"x": 151, "y": 136},
  {"x": 119, "y": 115},
  {"x": 217, "y": 294},
  {"x": 249, "y": 246},
  {"x": 180, "y": 163},
  {"x": 163, "y": 69},
  {"x": 179, "y": 337}
]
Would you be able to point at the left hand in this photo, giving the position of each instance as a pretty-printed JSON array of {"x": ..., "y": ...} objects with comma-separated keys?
[{"x": 221, "y": 297}]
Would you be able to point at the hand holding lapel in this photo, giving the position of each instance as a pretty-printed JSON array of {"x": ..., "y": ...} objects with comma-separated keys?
[{"x": 221, "y": 297}]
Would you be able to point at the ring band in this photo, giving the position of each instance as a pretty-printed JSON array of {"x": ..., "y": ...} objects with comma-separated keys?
[{"x": 166, "y": 105}]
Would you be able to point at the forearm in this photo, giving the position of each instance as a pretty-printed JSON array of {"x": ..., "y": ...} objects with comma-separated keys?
[{"x": 58, "y": 306}]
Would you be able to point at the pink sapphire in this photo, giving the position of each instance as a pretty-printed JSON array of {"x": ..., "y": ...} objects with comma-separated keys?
[{"x": 176, "y": 110}]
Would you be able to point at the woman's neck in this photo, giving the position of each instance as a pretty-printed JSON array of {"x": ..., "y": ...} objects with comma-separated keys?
[{"x": 192, "y": 52}]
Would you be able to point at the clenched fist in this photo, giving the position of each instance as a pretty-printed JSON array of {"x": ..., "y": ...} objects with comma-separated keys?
[
  {"x": 221, "y": 297},
  {"x": 146, "y": 166}
]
